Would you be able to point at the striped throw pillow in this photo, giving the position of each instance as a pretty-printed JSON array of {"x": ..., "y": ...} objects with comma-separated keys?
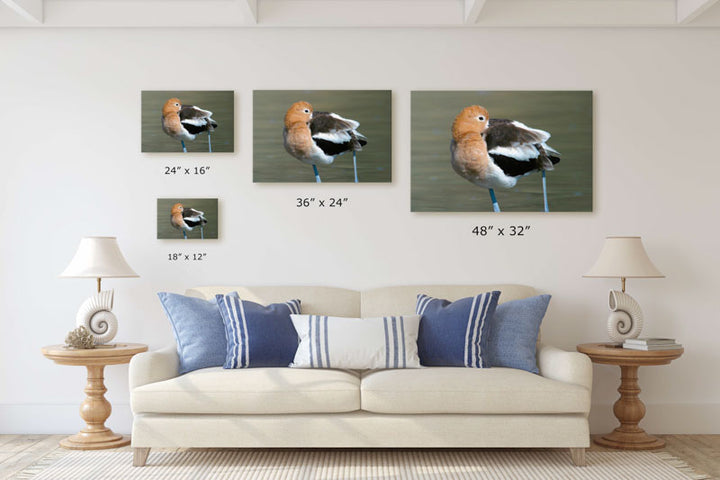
[
  {"x": 356, "y": 343},
  {"x": 257, "y": 335},
  {"x": 454, "y": 334}
]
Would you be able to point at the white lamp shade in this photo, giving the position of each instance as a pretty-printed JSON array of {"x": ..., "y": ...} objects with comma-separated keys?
[
  {"x": 98, "y": 257},
  {"x": 624, "y": 257}
]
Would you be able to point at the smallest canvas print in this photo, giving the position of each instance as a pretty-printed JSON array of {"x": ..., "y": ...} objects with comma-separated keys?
[{"x": 187, "y": 218}]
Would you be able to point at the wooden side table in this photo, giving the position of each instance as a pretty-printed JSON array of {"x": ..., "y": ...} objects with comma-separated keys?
[
  {"x": 629, "y": 409},
  {"x": 95, "y": 409}
]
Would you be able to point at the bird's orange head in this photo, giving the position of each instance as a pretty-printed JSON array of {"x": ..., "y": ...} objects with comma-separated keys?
[
  {"x": 177, "y": 208},
  {"x": 473, "y": 119},
  {"x": 299, "y": 112},
  {"x": 171, "y": 106}
]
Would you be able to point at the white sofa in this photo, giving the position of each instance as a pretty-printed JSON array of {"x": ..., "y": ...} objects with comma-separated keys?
[{"x": 435, "y": 407}]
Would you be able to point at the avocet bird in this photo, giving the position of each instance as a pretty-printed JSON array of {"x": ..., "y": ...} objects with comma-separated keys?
[
  {"x": 186, "y": 122},
  {"x": 186, "y": 218},
  {"x": 494, "y": 153},
  {"x": 318, "y": 137}
]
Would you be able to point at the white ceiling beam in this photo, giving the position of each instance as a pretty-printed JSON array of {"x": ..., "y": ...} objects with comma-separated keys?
[
  {"x": 359, "y": 13},
  {"x": 689, "y": 10},
  {"x": 31, "y": 10},
  {"x": 148, "y": 13},
  {"x": 250, "y": 7},
  {"x": 574, "y": 13},
  {"x": 472, "y": 10}
]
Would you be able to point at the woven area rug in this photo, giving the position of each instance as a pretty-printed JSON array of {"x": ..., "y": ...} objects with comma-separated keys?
[{"x": 352, "y": 464}]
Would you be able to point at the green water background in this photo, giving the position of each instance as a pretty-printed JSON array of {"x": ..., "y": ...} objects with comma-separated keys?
[
  {"x": 220, "y": 102},
  {"x": 371, "y": 108},
  {"x": 165, "y": 230},
  {"x": 567, "y": 115}
]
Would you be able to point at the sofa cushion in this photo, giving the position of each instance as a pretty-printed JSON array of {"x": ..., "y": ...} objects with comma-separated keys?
[
  {"x": 358, "y": 343},
  {"x": 469, "y": 390},
  {"x": 454, "y": 334},
  {"x": 258, "y": 335},
  {"x": 513, "y": 333},
  {"x": 251, "y": 391},
  {"x": 199, "y": 331}
]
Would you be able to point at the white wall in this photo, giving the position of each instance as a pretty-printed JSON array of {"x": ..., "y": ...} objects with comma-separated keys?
[{"x": 71, "y": 166}]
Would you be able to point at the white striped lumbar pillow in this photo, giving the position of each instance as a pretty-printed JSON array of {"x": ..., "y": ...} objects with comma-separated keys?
[{"x": 357, "y": 343}]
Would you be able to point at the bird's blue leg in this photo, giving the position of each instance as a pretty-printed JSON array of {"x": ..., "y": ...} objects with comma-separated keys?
[
  {"x": 184, "y": 234},
  {"x": 496, "y": 207},
  {"x": 183, "y": 145},
  {"x": 317, "y": 175},
  {"x": 209, "y": 143},
  {"x": 202, "y": 232},
  {"x": 355, "y": 165},
  {"x": 544, "y": 182}
]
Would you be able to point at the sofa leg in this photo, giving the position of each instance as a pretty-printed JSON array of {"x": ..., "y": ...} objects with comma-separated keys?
[
  {"x": 140, "y": 456},
  {"x": 578, "y": 456}
]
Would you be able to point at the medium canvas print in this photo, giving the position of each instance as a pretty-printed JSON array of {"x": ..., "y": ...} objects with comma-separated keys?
[
  {"x": 322, "y": 136},
  {"x": 502, "y": 151},
  {"x": 187, "y": 218},
  {"x": 188, "y": 121}
]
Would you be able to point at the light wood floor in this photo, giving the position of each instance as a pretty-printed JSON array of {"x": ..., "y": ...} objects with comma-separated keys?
[{"x": 702, "y": 452}]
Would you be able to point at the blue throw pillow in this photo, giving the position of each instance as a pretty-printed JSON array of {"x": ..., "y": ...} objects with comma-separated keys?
[
  {"x": 514, "y": 331},
  {"x": 198, "y": 328},
  {"x": 258, "y": 336},
  {"x": 454, "y": 334}
]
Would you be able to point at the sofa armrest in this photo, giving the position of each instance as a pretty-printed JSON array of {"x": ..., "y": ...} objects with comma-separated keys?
[
  {"x": 564, "y": 366},
  {"x": 156, "y": 366}
]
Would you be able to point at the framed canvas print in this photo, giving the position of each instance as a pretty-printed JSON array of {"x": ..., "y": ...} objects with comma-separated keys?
[
  {"x": 517, "y": 151},
  {"x": 195, "y": 121},
  {"x": 187, "y": 218},
  {"x": 322, "y": 136}
]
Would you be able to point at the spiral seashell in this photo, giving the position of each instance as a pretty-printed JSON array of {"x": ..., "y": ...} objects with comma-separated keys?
[
  {"x": 95, "y": 314},
  {"x": 626, "y": 317}
]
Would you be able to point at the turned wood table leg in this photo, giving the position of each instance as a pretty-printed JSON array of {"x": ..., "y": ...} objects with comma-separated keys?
[
  {"x": 629, "y": 410},
  {"x": 95, "y": 409}
]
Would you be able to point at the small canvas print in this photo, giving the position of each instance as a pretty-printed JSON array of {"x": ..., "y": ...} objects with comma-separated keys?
[
  {"x": 188, "y": 121},
  {"x": 187, "y": 218},
  {"x": 322, "y": 136},
  {"x": 509, "y": 151}
]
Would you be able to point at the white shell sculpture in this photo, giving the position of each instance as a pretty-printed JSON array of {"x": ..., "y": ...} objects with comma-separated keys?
[
  {"x": 626, "y": 318},
  {"x": 95, "y": 315}
]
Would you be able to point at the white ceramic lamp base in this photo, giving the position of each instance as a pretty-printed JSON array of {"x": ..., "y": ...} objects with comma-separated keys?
[
  {"x": 626, "y": 317},
  {"x": 96, "y": 315}
]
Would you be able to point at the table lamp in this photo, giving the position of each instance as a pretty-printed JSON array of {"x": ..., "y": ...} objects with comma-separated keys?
[
  {"x": 98, "y": 257},
  {"x": 624, "y": 257}
]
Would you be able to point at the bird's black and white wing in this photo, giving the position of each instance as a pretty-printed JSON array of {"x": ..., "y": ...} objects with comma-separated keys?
[
  {"x": 194, "y": 217},
  {"x": 334, "y": 134},
  {"x": 196, "y": 120},
  {"x": 519, "y": 149}
]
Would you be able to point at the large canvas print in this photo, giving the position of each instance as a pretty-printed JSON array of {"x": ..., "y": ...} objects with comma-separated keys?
[
  {"x": 517, "y": 151},
  {"x": 188, "y": 121},
  {"x": 187, "y": 218},
  {"x": 322, "y": 136}
]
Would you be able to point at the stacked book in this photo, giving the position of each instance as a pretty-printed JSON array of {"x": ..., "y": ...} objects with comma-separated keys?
[{"x": 651, "y": 344}]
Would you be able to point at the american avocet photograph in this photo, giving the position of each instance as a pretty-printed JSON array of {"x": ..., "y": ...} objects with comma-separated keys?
[
  {"x": 189, "y": 121},
  {"x": 321, "y": 136},
  {"x": 502, "y": 151},
  {"x": 187, "y": 218}
]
